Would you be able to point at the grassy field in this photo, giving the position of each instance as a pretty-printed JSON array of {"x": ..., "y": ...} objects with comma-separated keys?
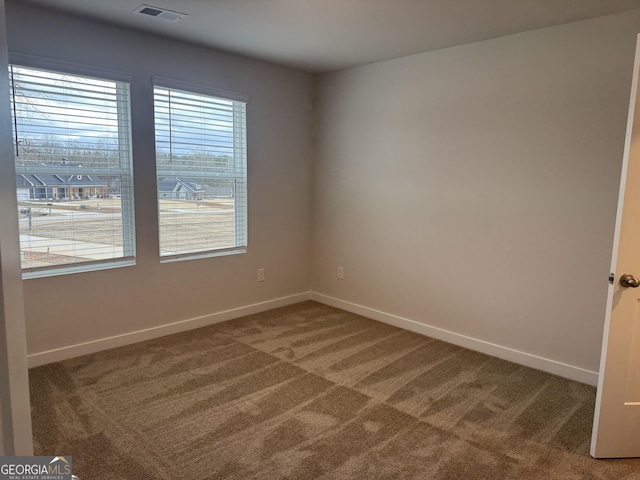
[{"x": 184, "y": 224}]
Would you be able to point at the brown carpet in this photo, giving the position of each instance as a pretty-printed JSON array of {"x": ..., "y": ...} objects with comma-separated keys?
[{"x": 309, "y": 391}]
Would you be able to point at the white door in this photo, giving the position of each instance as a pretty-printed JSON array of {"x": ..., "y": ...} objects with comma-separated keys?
[{"x": 616, "y": 426}]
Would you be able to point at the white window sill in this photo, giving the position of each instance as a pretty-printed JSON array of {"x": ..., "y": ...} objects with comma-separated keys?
[
  {"x": 81, "y": 268},
  {"x": 200, "y": 255}
]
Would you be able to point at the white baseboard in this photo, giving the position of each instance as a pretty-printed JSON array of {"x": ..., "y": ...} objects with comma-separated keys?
[
  {"x": 522, "y": 358},
  {"x": 551, "y": 366},
  {"x": 71, "y": 351}
]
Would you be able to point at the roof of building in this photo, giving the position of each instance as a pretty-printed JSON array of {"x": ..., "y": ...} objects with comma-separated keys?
[
  {"x": 171, "y": 184},
  {"x": 74, "y": 179}
]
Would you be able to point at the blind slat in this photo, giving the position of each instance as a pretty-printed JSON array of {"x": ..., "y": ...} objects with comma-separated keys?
[
  {"x": 201, "y": 168},
  {"x": 73, "y": 170}
]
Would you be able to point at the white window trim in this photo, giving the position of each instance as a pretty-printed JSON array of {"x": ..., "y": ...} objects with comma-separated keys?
[
  {"x": 83, "y": 267},
  {"x": 159, "y": 81},
  {"x": 170, "y": 83},
  {"x": 32, "y": 61},
  {"x": 58, "y": 66}
]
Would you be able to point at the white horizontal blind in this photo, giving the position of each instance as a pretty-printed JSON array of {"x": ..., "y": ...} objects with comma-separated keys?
[
  {"x": 201, "y": 172},
  {"x": 74, "y": 177}
]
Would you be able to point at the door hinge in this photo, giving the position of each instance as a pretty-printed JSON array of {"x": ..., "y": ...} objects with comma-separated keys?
[{"x": 612, "y": 277}]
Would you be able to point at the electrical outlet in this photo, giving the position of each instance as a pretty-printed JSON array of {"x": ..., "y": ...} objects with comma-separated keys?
[
  {"x": 341, "y": 273},
  {"x": 261, "y": 274}
]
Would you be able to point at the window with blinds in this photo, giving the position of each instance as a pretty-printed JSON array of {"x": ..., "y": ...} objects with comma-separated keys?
[
  {"x": 201, "y": 166},
  {"x": 73, "y": 170}
]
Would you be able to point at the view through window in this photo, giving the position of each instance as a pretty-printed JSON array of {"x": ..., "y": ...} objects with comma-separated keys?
[
  {"x": 201, "y": 172},
  {"x": 73, "y": 168}
]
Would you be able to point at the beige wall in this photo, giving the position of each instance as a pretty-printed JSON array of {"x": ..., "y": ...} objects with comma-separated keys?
[
  {"x": 474, "y": 188},
  {"x": 470, "y": 189},
  {"x": 71, "y": 309}
]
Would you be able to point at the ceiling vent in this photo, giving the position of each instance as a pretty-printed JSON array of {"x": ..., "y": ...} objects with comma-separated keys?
[{"x": 160, "y": 13}]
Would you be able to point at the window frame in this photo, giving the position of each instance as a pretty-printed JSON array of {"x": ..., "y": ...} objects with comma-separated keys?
[
  {"x": 122, "y": 80},
  {"x": 240, "y": 154}
]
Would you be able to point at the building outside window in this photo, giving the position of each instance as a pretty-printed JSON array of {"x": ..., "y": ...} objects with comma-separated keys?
[
  {"x": 201, "y": 165},
  {"x": 74, "y": 179}
]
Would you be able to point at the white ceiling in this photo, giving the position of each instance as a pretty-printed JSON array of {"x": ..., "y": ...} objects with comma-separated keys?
[{"x": 326, "y": 35}]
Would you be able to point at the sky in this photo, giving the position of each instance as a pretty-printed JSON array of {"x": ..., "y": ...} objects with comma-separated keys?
[{"x": 80, "y": 111}]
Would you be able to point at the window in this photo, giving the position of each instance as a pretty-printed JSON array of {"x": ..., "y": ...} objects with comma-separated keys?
[
  {"x": 73, "y": 171},
  {"x": 201, "y": 172}
]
